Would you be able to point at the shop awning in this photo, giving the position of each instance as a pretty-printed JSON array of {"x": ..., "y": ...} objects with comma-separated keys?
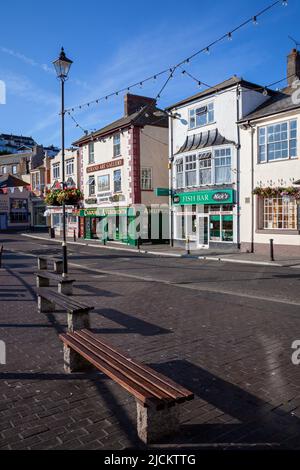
[{"x": 203, "y": 140}]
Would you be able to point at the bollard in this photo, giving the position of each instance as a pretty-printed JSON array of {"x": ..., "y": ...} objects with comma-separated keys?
[
  {"x": 187, "y": 246},
  {"x": 139, "y": 242},
  {"x": 1, "y": 252},
  {"x": 104, "y": 241},
  {"x": 272, "y": 249},
  {"x": 74, "y": 235}
]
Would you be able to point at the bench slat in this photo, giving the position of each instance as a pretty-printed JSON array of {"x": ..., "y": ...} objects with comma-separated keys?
[
  {"x": 136, "y": 368},
  {"x": 165, "y": 380},
  {"x": 62, "y": 300},
  {"x": 50, "y": 275},
  {"x": 123, "y": 369},
  {"x": 140, "y": 394}
]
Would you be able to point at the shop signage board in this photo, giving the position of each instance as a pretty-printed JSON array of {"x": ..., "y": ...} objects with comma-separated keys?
[
  {"x": 105, "y": 166},
  {"x": 218, "y": 196},
  {"x": 162, "y": 192}
]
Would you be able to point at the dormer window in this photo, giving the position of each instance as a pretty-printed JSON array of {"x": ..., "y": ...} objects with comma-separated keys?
[{"x": 201, "y": 116}]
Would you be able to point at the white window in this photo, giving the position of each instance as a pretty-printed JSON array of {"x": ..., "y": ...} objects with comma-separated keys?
[
  {"x": 146, "y": 179},
  {"x": 91, "y": 184},
  {"x": 223, "y": 166},
  {"x": 4, "y": 170},
  {"x": 103, "y": 183},
  {"x": 35, "y": 181},
  {"x": 56, "y": 171},
  {"x": 70, "y": 167},
  {"x": 280, "y": 213},
  {"x": 204, "y": 168},
  {"x": 201, "y": 116},
  {"x": 117, "y": 145},
  {"x": 190, "y": 170},
  {"x": 179, "y": 173},
  {"x": 91, "y": 152},
  {"x": 277, "y": 142},
  {"x": 117, "y": 181},
  {"x": 14, "y": 169}
]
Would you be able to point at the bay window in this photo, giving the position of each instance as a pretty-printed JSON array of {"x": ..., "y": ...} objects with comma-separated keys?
[
  {"x": 223, "y": 166},
  {"x": 204, "y": 168},
  {"x": 179, "y": 173},
  {"x": 190, "y": 170},
  {"x": 277, "y": 141}
]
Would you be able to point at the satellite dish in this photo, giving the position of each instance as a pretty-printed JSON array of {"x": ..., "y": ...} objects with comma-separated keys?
[{"x": 297, "y": 43}]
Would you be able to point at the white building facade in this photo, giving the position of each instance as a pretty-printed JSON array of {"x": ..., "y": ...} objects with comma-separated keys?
[{"x": 205, "y": 164}]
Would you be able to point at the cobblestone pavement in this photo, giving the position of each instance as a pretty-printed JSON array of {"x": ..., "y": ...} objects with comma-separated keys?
[{"x": 234, "y": 353}]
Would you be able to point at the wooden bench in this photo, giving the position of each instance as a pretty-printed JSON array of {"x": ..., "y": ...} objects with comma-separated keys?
[
  {"x": 57, "y": 263},
  {"x": 157, "y": 397},
  {"x": 77, "y": 312},
  {"x": 65, "y": 284}
]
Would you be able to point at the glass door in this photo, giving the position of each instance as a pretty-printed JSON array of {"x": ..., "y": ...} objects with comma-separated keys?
[{"x": 203, "y": 231}]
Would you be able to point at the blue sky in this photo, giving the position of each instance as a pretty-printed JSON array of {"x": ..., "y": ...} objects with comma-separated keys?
[{"x": 114, "y": 44}]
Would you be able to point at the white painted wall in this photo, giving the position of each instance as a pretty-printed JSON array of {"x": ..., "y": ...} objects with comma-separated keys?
[
  {"x": 58, "y": 159},
  {"x": 277, "y": 173}
]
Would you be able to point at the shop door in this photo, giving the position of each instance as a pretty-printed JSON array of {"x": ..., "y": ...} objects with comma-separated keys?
[{"x": 203, "y": 231}]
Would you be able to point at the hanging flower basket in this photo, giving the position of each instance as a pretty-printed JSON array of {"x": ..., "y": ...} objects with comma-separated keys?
[
  {"x": 69, "y": 196},
  {"x": 277, "y": 192}
]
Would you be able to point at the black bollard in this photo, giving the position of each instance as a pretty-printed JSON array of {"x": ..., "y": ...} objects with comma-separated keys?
[
  {"x": 187, "y": 247},
  {"x": 272, "y": 249},
  {"x": 74, "y": 235},
  {"x": 139, "y": 242},
  {"x": 1, "y": 253}
]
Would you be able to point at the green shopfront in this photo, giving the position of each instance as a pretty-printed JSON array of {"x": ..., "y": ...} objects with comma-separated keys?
[{"x": 206, "y": 218}]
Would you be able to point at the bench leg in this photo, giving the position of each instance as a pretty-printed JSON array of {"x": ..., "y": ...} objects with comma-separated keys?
[
  {"x": 45, "y": 306},
  {"x": 65, "y": 288},
  {"x": 74, "y": 362},
  {"x": 42, "y": 282},
  {"x": 58, "y": 267},
  {"x": 78, "y": 321},
  {"x": 42, "y": 264},
  {"x": 153, "y": 424}
]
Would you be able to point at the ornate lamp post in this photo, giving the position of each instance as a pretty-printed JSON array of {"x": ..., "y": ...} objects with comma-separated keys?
[{"x": 62, "y": 67}]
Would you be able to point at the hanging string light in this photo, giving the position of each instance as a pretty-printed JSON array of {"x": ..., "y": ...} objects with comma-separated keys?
[{"x": 187, "y": 60}]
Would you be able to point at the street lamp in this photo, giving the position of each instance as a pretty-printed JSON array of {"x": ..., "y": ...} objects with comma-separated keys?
[{"x": 62, "y": 67}]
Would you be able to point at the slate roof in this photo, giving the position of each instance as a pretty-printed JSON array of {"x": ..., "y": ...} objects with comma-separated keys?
[
  {"x": 139, "y": 118},
  {"x": 277, "y": 104},
  {"x": 11, "y": 181},
  {"x": 204, "y": 140},
  {"x": 235, "y": 80}
]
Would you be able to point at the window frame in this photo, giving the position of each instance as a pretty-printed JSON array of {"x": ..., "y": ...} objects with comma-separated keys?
[
  {"x": 107, "y": 187},
  {"x": 92, "y": 192},
  {"x": 264, "y": 138},
  {"x": 70, "y": 162},
  {"x": 91, "y": 152},
  {"x": 117, "y": 153},
  {"x": 115, "y": 181},
  {"x": 275, "y": 214},
  {"x": 193, "y": 110},
  {"x": 149, "y": 186},
  {"x": 56, "y": 166}
]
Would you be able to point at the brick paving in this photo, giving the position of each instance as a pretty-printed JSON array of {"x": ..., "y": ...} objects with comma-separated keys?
[{"x": 235, "y": 354}]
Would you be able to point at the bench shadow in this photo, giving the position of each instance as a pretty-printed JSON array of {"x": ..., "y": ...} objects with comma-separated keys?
[
  {"x": 131, "y": 323},
  {"x": 254, "y": 423},
  {"x": 95, "y": 291}
]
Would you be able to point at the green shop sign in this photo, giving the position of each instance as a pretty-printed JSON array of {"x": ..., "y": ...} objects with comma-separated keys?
[{"x": 219, "y": 196}]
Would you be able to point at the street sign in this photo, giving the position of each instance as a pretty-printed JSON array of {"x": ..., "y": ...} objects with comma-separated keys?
[{"x": 162, "y": 192}]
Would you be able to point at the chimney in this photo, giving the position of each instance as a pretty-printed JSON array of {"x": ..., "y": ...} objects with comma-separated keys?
[
  {"x": 133, "y": 103},
  {"x": 293, "y": 66}
]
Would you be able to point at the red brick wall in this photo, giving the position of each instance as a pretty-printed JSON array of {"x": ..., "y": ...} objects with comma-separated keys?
[{"x": 135, "y": 164}]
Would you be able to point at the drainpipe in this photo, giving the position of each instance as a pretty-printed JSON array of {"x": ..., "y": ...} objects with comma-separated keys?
[
  {"x": 252, "y": 128},
  {"x": 171, "y": 160},
  {"x": 238, "y": 154}
]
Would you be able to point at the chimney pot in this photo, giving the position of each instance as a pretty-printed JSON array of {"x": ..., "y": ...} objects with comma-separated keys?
[{"x": 293, "y": 66}]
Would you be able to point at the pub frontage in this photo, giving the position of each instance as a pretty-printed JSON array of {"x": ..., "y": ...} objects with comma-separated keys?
[{"x": 205, "y": 218}]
